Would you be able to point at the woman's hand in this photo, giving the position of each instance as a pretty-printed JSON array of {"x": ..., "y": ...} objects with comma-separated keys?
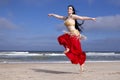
[
  {"x": 50, "y": 14},
  {"x": 94, "y": 19}
]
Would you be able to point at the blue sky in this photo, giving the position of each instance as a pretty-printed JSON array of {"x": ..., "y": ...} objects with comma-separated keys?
[{"x": 24, "y": 24}]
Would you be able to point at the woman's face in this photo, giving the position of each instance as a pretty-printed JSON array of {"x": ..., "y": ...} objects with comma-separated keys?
[{"x": 70, "y": 10}]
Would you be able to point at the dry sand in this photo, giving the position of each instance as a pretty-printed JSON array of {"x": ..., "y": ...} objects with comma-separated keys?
[{"x": 60, "y": 71}]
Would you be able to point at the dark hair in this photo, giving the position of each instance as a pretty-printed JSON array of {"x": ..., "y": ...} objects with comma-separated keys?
[{"x": 78, "y": 26}]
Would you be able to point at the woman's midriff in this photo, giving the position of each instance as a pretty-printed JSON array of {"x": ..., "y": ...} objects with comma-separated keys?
[{"x": 73, "y": 31}]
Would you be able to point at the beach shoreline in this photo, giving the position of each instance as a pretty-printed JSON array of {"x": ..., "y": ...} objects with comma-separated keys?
[{"x": 60, "y": 71}]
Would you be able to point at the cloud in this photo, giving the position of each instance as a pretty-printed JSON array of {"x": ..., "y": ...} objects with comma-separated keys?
[
  {"x": 105, "y": 22},
  {"x": 106, "y": 44},
  {"x": 28, "y": 42},
  {"x": 6, "y": 24}
]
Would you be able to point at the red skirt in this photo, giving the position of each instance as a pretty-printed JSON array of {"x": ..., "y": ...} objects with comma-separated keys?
[{"x": 75, "y": 54}]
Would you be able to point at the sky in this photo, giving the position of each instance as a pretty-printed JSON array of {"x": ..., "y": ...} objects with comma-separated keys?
[{"x": 25, "y": 25}]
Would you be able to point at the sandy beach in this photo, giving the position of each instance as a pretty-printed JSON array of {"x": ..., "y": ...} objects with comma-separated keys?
[{"x": 59, "y": 71}]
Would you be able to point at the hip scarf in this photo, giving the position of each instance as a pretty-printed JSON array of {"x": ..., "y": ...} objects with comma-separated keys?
[{"x": 75, "y": 53}]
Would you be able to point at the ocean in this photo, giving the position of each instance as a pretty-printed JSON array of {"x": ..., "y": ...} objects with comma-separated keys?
[{"x": 53, "y": 57}]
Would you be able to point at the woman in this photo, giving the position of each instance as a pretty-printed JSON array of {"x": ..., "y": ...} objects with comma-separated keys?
[{"x": 71, "y": 39}]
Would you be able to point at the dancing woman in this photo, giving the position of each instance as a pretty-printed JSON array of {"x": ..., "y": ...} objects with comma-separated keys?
[{"x": 71, "y": 39}]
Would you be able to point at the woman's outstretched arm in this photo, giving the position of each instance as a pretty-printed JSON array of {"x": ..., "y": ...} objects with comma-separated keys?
[
  {"x": 57, "y": 16},
  {"x": 83, "y": 17}
]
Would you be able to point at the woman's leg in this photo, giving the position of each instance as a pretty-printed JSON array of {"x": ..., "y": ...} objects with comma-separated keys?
[{"x": 82, "y": 67}]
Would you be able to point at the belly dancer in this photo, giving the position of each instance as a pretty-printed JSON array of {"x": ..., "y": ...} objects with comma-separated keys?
[{"x": 71, "y": 38}]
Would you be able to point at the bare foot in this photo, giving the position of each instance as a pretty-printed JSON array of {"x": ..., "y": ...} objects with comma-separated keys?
[
  {"x": 82, "y": 68},
  {"x": 67, "y": 50}
]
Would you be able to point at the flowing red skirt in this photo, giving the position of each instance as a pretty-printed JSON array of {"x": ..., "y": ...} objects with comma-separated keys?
[{"x": 75, "y": 54}]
